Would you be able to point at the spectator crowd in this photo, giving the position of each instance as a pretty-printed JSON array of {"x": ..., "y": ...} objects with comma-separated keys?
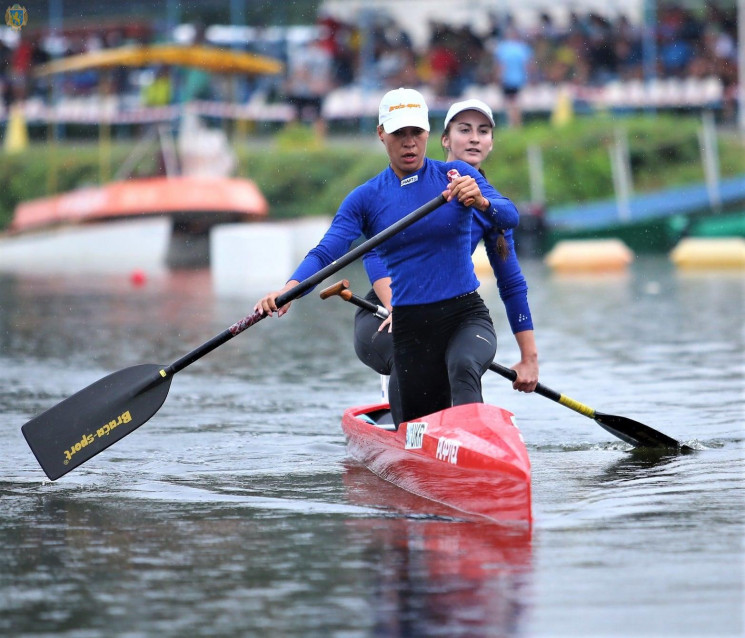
[{"x": 589, "y": 50}]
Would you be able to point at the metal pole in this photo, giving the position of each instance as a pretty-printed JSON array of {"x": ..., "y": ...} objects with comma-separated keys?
[
  {"x": 710, "y": 158},
  {"x": 741, "y": 66},
  {"x": 620, "y": 181},
  {"x": 535, "y": 171},
  {"x": 238, "y": 84},
  {"x": 56, "y": 10},
  {"x": 622, "y": 140},
  {"x": 366, "y": 19},
  {"x": 237, "y": 13},
  {"x": 173, "y": 17},
  {"x": 649, "y": 43}
]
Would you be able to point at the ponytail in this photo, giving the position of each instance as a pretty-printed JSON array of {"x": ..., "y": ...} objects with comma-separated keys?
[{"x": 503, "y": 250}]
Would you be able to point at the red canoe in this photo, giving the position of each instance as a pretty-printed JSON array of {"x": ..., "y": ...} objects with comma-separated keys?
[{"x": 471, "y": 458}]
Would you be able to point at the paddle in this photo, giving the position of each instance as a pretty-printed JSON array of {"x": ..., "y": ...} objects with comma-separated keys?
[
  {"x": 81, "y": 426},
  {"x": 633, "y": 432}
]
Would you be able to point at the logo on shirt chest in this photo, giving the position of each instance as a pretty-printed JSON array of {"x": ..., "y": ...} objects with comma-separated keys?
[{"x": 410, "y": 180}]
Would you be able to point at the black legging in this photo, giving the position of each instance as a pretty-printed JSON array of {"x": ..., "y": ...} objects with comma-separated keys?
[
  {"x": 441, "y": 350},
  {"x": 375, "y": 349},
  {"x": 446, "y": 347}
]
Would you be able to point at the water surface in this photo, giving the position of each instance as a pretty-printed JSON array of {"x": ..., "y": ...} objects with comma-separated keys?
[{"x": 236, "y": 511}]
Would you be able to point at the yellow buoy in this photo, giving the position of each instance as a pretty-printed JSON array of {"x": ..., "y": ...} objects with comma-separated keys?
[
  {"x": 589, "y": 255},
  {"x": 713, "y": 252}
]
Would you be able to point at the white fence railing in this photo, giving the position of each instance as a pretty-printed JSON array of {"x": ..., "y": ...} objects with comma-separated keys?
[{"x": 354, "y": 102}]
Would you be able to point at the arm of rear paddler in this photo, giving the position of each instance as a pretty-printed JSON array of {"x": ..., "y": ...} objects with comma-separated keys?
[
  {"x": 374, "y": 266},
  {"x": 513, "y": 289},
  {"x": 501, "y": 212}
]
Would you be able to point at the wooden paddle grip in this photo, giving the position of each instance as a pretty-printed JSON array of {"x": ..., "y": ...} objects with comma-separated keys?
[{"x": 335, "y": 289}]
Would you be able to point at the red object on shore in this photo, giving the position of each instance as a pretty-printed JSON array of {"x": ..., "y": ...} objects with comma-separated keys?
[
  {"x": 226, "y": 199},
  {"x": 471, "y": 458}
]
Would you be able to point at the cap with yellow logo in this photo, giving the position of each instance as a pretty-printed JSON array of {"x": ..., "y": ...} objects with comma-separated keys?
[{"x": 403, "y": 107}]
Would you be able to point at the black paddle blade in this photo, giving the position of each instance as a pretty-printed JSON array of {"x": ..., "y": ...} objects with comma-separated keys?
[
  {"x": 635, "y": 433},
  {"x": 91, "y": 420}
]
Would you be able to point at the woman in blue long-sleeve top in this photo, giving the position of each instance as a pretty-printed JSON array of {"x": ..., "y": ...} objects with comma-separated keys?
[
  {"x": 467, "y": 136},
  {"x": 433, "y": 286}
]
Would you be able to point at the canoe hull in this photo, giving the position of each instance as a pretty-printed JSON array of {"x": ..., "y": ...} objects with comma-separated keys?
[{"x": 471, "y": 458}]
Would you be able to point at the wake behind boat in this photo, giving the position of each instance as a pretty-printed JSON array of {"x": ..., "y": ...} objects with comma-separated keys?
[{"x": 471, "y": 458}]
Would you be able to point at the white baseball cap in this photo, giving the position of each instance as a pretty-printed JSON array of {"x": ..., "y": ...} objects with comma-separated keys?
[
  {"x": 469, "y": 105},
  {"x": 403, "y": 107}
]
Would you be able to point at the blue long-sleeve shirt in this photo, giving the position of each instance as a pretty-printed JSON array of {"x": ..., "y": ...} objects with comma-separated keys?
[
  {"x": 430, "y": 260},
  {"x": 513, "y": 289}
]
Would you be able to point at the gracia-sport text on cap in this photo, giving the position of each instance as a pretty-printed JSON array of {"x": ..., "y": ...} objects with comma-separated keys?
[{"x": 403, "y": 107}]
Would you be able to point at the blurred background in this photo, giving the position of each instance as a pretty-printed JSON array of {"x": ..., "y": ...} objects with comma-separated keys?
[
  {"x": 164, "y": 163},
  {"x": 626, "y": 118},
  {"x": 684, "y": 51}
]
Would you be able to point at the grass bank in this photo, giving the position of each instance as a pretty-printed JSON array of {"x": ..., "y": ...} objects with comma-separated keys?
[{"x": 301, "y": 176}]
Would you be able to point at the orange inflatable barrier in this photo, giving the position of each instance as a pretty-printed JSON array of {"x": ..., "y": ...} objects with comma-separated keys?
[
  {"x": 589, "y": 255},
  {"x": 711, "y": 253}
]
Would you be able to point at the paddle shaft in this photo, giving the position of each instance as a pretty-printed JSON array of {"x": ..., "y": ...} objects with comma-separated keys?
[
  {"x": 307, "y": 284},
  {"x": 633, "y": 432},
  {"x": 544, "y": 391}
]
